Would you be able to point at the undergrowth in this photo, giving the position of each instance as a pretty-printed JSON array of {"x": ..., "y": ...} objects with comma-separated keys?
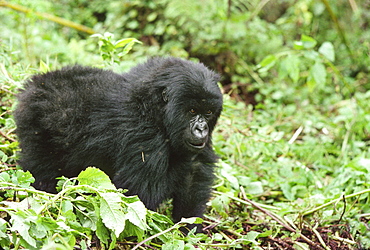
[
  {"x": 294, "y": 166},
  {"x": 293, "y": 174}
]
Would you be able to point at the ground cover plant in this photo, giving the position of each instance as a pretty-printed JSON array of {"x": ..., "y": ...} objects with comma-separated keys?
[{"x": 293, "y": 138}]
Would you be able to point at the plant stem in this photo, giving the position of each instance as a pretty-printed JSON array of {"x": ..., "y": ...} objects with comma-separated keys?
[{"x": 339, "y": 28}]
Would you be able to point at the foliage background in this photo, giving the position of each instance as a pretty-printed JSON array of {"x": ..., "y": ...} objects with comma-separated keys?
[{"x": 293, "y": 138}]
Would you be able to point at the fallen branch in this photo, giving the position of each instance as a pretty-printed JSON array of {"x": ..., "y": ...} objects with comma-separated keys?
[
  {"x": 274, "y": 217},
  {"x": 6, "y": 136},
  {"x": 47, "y": 16}
]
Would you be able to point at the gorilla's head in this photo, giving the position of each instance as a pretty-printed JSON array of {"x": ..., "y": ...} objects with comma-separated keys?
[{"x": 193, "y": 104}]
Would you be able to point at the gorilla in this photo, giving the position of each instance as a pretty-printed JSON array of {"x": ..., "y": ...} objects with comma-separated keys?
[{"x": 148, "y": 129}]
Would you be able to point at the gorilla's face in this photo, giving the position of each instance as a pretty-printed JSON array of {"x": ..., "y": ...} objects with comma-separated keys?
[
  {"x": 198, "y": 131},
  {"x": 191, "y": 117},
  {"x": 193, "y": 103}
]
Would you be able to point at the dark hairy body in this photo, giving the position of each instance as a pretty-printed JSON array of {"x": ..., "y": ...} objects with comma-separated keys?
[{"x": 148, "y": 129}]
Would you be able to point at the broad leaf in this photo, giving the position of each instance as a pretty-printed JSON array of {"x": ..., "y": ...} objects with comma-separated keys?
[
  {"x": 22, "y": 226},
  {"x": 96, "y": 178},
  {"x": 174, "y": 245},
  {"x": 191, "y": 220},
  {"x": 306, "y": 42},
  {"x": 111, "y": 212},
  {"x": 136, "y": 214},
  {"x": 126, "y": 42},
  {"x": 267, "y": 63},
  {"x": 327, "y": 50},
  {"x": 290, "y": 66},
  {"x": 318, "y": 73}
]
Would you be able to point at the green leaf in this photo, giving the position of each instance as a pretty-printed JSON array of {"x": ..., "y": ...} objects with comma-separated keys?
[
  {"x": 191, "y": 220},
  {"x": 226, "y": 172},
  {"x": 287, "y": 191},
  {"x": 252, "y": 235},
  {"x": 4, "y": 178},
  {"x": 127, "y": 45},
  {"x": 102, "y": 232},
  {"x": 42, "y": 226},
  {"x": 265, "y": 234},
  {"x": 88, "y": 219},
  {"x": 157, "y": 223},
  {"x": 267, "y": 63},
  {"x": 306, "y": 42},
  {"x": 111, "y": 212},
  {"x": 64, "y": 183},
  {"x": 327, "y": 50},
  {"x": 254, "y": 188},
  {"x": 174, "y": 245},
  {"x": 55, "y": 246},
  {"x": 21, "y": 224},
  {"x": 106, "y": 46},
  {"x": 3, "y": 156},
  {"x": 3, "y": 228},
  {"x": 290, "y": 66},
  {"x": 151, "y": 17},
  {"x": 189, "y": 246},
  {"x": 124, "y": 42},
  {"x": 301, "y": 246},
  {"x": 44, "y": 67},
  {"x": 220, "y": 203},
  {"x": 311, "y": 83},
  {"x": 311, "y": 54},
  {"x": 23, "y": 179},
  {"x": 318, "y": 73},
  {"x": 136, "y": 214},
  {"x": 160, "y": 218},
  {"x": 132, "y": 230},
  {"x": 130, "y": 199},
  {"x": 96, "y": 178},
  {"x": 113, "y": 239}
]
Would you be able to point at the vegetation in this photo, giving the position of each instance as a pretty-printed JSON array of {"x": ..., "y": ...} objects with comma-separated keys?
[{"x": 293, "y": 139}]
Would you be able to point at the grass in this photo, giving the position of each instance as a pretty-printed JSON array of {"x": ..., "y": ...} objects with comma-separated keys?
[{"x": 307, "y": 161}]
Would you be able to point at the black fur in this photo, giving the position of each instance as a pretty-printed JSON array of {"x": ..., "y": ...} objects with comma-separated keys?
[{"x": 133, "y": 126}]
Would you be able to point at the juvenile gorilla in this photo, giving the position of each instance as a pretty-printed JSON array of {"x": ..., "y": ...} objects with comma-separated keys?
[{"x": 149, "y": 129}]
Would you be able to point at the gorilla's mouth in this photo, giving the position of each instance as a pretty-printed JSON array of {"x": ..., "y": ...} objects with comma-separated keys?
[{"x": 198, "y": 145}]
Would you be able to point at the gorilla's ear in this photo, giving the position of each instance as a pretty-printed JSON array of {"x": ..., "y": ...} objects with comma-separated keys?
[{"x": 165, "y": 95}]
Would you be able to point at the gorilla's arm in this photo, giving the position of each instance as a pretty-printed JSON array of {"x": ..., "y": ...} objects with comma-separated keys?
[{"x": 194, "y": 188}]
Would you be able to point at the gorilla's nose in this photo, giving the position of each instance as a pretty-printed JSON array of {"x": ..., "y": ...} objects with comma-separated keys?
[{"x": 200, "y": 130}]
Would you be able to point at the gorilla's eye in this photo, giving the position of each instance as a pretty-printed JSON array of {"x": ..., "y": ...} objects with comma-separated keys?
[
  {"x": 209, "y": 112},
  {"x": 192, "y": 111}
]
